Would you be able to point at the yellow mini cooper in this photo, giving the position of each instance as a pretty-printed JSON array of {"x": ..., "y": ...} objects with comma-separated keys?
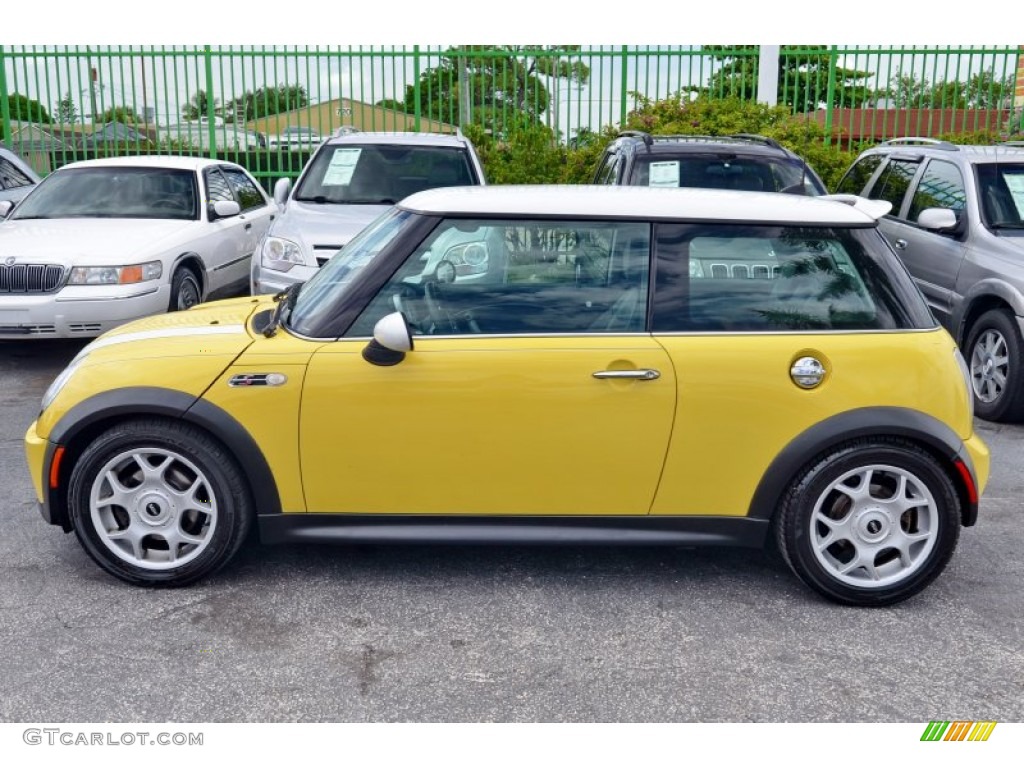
[{"x": 613, "y": 365}]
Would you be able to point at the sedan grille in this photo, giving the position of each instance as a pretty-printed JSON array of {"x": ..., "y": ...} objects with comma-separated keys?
[{"x": 30, "y": 278}]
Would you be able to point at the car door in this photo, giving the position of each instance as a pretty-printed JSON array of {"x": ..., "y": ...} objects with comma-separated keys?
[
  {"x": 228, "y": 245},
  {"x": 257, "y": 213},
  {"x": 933, "y": 258},
  {"x": 533, "y": 386}
]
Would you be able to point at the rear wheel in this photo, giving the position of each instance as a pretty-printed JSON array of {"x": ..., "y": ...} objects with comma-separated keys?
[
  {"x": 158, "y": 504},
  {"x": 872, "y": 523},
  {"x": 994, "y": 351}
]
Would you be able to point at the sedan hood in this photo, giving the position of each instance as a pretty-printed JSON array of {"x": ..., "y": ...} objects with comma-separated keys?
[
  {"x": 100, "y": 242},
  {"x": 322, "y": 225}
]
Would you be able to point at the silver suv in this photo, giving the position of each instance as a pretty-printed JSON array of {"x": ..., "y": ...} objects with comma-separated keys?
[
  {"x": 957, "y": 223},
  {"x": 348, "y": 182}
]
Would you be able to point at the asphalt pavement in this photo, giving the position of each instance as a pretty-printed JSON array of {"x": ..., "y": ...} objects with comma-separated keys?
[{"x": 315, "y": 633}]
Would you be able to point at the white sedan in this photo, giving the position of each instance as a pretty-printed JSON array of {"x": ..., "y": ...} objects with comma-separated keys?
[{"x": 102, "y": 242}]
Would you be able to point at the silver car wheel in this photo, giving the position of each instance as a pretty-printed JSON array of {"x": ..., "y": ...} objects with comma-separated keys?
[
  {"x": 990, "y": 366},
  {"x": 874, "y": 526},
  {"x": 153, "y": 508}
]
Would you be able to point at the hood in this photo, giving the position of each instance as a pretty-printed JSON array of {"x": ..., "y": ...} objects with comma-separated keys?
[
  {"x": 215, "y": 328},
  {"x": 77, "y": 242},
  {"x": 317, "y": 225}
]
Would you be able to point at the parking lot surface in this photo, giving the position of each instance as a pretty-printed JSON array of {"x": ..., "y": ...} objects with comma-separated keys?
[{"x": 517, "y": 634}]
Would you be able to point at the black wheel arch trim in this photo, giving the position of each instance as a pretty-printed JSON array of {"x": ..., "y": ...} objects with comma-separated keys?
[
  {"x": 987, "y": 294},
  {"x": 117, "y": 405},
  {"x": 906, "y": 423}
]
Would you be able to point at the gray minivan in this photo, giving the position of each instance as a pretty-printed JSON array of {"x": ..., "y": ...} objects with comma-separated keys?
[{"x": 957, "y": 223}]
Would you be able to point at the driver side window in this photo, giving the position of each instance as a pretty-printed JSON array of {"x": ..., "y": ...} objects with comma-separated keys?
[{"x": 516, "y": 277}]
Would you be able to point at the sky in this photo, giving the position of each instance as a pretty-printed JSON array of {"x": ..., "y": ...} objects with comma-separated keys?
[{"x": 416, "y": 22}]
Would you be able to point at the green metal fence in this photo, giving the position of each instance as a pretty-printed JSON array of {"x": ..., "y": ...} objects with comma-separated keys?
[{"x": 60, "y": 103}]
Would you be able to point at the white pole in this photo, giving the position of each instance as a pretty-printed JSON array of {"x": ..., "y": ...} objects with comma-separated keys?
[{"x": 768, "y": 75}]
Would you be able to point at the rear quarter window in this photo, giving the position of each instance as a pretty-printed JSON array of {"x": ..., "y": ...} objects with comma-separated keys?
[{"x": 763, "y": 279}]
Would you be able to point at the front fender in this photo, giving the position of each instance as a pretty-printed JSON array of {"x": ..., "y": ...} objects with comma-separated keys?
[{"x": 84, "y": 421}]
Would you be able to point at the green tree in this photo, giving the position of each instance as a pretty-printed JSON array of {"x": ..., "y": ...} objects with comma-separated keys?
[
  {"x": 501, "y": 87},
  {"x": 804, "y": 73},
  {"x": 27, "y": 110},
  {"x": 198, "y": 106},
  {"x": 271, "y": 100},
  {"x": 126, "y": 115},
  {"x": 66, "y": 111},
  {"x": 980, "y": 91}
]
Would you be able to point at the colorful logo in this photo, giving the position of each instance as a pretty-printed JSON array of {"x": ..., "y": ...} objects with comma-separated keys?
[{"x": 958, "y": 730}]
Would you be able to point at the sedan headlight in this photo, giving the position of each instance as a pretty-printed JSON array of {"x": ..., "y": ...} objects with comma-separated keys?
[
  {"x": 468, "y": 258},
  {"x": 125, "y": 275},
  {"x": 279, "y": 254}
]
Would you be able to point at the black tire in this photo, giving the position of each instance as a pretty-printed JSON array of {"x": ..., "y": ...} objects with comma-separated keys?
[
  {"x": 994, "y": 356},
  {"x": 904, "y": 534},
  {"x": 184, "y": 506},
  {"x": 185, "y": 290}
]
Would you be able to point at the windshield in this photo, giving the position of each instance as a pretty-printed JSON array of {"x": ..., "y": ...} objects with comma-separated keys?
[
  {"x": 334, "y": 278},
  {"x": 113, "y": 192},
  {"x": 1001, "y": 192},
  {"x": 758, "y": 174},
  {"x": 379, "y": 173}
]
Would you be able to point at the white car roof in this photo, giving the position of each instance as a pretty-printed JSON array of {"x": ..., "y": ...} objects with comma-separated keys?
[
  {"x": 639, "y": 202},
  {"x": 150, "y": 161},
  {"x": 401, "y": 137}
]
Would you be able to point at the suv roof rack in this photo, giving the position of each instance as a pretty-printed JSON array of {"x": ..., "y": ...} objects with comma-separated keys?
[
  {"x": 919, "y": 140},
  {"x": 744, "y": 138}
]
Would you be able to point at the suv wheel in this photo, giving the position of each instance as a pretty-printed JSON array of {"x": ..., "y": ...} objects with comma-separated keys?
[
  {"x": 994, "y": 350},
  {"x": 158, "y": 504},
  {"x": 872, "y": 523}
]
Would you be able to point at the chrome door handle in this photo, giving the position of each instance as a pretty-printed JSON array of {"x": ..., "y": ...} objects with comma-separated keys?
[
  {"x": 900, "y": 244},
  {"x": 644, "y": 374}
]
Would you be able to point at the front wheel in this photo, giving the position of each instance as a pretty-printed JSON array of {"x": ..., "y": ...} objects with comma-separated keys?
[
  {"x": 994, "y": 352},
  {"x": 185, "y": 290},
  {"x": 158, "y": 504},
  {"x": 872, "y": 523}
]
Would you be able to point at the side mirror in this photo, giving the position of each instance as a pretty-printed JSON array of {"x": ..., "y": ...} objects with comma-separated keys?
[
  {"x": 938, "y": 219},
  {"x": 6, "y": 206},
  {"x": 282, "y": 189},
  {"x": 223, "y": 209},
  {"x": 392, "y": 338}
]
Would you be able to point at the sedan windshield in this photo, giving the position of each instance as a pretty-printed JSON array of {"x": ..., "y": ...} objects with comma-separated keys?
[
  {"x": 113, "y": 192},
  {"x": 380, "y": 174}
]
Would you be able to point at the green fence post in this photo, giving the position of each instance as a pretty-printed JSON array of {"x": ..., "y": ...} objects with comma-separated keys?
[
  {"x": 417, "y": 111},
  {"x": 5, "y": 102},
  {"x": 833, "y": 57},
  {"x": 625, "y": 84},
  {"x": 211, "y": 112}
]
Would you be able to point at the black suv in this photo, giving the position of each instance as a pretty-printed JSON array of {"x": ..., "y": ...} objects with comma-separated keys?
[{"x": 741, "y": 161}]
